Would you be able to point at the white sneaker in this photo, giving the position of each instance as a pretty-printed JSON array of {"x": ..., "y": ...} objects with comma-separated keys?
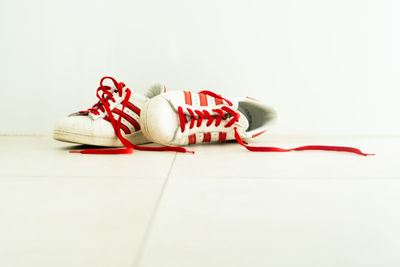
[
  {"x": 185, "y": 118},
  {"x": 179, "y": 118},
  {"x": 95, "y": 127}
]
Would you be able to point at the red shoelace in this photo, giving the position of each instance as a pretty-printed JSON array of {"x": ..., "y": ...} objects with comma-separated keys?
[
  {"x": 107, "y": 94},
  {"x": 196, "y": 118}
]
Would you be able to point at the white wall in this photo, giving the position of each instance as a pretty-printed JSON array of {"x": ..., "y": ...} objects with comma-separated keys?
[{"x": 329, "y": 67}]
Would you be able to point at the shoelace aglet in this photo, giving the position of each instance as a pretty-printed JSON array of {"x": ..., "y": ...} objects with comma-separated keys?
[{"x": 366, "y": 154}]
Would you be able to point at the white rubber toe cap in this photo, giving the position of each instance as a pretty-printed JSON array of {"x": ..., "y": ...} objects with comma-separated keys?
[
  {"x": 75, "y": 124},
  {"x": 159, "y": 120},
  {"x": 84, "y": 125}
]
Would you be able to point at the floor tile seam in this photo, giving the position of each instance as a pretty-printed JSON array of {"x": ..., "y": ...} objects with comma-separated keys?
[
  {"x": 179, "y": 178},
  {"x": 142, "y": 246},
  {"x": 79, "y": 176}
]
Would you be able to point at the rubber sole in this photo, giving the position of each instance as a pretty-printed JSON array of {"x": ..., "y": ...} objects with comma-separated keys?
[{"x": 66, "y": 135}]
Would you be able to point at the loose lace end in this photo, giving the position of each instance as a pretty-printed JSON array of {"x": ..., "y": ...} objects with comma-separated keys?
[{"x": 301, "y": 148}]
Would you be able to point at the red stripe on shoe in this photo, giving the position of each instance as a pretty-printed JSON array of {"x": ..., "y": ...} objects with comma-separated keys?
[
  {"x": 257, "y": 134},
  {"x": 203, "y": 99},
  {"x": 192, "y": 139},
  {"x": 123, "y": 126},
  {"x": 188, "y": 97},
  {"x": 131, "y": 120},
  {"x": 207, "y": 137},
  {"x": 133, "y": 108},
  {"x": 222, "y": 137},
  {"x": 218, "y": 101}
]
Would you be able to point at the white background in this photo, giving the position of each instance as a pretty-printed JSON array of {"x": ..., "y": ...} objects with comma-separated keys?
[{"x": 328, "y": 67}]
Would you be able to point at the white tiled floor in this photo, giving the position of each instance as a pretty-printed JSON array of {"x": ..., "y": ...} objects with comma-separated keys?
[{"x": 223, "y": 206}]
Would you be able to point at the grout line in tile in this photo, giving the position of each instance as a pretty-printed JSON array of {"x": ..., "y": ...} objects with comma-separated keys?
[
  {"x": 24, "y": 135},
  {"x": 3, "y": 176},
  {"x": 275, "y": 177},
  {"x": 143, "y": 243}
]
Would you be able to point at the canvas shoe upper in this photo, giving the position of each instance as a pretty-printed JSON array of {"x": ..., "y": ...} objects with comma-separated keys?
[
  {"x": 179, "y": 118},
  {"x": 118, "y": 110}
]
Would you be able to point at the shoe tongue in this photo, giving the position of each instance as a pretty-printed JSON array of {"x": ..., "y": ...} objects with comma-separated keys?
[
  {"x": 243, "y": 121},
  {"x": 114, "y": 90},
  {"x": 155, "y": 90}
]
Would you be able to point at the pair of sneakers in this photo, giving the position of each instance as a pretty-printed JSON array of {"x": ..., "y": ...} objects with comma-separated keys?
[{"x": 125, "y": 119}]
